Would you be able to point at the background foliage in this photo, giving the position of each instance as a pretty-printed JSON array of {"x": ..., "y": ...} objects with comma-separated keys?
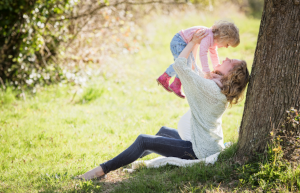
[
  {"x": 35, "y": 35},
  {"x": 30, "y": 36},
  {"x": 48, "y": 41}
]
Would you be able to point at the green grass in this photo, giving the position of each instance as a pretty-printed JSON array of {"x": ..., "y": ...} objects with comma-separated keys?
[
  {"x": 7, "y": 97},
  {"x": 61, "y": 132}
]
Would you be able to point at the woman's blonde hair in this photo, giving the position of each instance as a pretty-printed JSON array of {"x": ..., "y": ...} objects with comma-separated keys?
[
  {"x": 235, "y": 82},
  {"x": 226, "y": 31}
]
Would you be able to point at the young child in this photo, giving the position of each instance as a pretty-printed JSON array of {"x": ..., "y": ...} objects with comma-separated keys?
[{"x": 221, "y": 34}]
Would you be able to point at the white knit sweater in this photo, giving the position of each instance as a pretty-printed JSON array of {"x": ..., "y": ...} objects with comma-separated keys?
[
  {"x": 184, "y": 126},
  {"x": 207, "y": 105}
]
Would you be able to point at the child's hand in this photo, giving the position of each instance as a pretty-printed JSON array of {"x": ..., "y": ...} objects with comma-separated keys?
[
  {"x": 198, "y": 36},
  {"x": 207, "y": 75}
]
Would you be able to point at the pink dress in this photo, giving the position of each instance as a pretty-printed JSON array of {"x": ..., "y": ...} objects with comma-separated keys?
[{"x": 207, "y": 44}]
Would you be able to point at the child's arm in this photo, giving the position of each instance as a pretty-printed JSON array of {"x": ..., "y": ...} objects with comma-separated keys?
[
  {"x": 214, "y": 56},
  {"x": 204, "y": 47}
]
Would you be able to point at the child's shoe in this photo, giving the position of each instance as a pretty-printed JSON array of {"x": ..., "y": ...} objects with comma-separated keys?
[
  {"x": 176, "y": 87},
  {"x": 164, "y": 81}
]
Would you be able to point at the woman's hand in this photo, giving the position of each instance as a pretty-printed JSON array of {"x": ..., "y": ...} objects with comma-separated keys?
[
  {"x": 198, "y": 36},
  {"x": 217, "y": 79},
  {"x": 207, "y": 75}
]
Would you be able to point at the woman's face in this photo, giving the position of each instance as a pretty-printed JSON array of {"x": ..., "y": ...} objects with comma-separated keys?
[{"x": 227, "y": 65}]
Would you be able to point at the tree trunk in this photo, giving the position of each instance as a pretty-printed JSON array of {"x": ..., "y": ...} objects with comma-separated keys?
[{"x": 274, "y": 85}]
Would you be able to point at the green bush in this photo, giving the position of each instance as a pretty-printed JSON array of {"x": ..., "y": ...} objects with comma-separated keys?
[{"x": 30, "y": 34}]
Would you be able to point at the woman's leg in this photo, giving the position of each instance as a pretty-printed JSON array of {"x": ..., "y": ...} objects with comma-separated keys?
[
  {"x": 168, "y": 132},
  {"x": 164, "y": 146},
  {"x": 164, "y": 132}
]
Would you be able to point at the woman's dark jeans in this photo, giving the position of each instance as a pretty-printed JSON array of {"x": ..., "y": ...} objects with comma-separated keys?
[{"x": 166, "y": 142}]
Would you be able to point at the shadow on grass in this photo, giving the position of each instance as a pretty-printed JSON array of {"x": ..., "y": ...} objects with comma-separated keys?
[
  {"x": 196, "y": 178},
  {"x": 223, "y": 176}
]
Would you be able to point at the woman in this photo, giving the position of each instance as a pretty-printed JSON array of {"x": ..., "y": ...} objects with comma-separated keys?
[{"x": 201, "y": 134}]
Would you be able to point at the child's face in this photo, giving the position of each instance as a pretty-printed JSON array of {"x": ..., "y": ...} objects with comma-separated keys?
[
  {"x": 227, "y": 65},
  {"x": 222, "y": 44}
]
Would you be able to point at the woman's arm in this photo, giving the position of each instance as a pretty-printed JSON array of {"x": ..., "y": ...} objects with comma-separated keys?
[
  {"x": 187, "y": 50},
  {"x": 195, "y": 49}
]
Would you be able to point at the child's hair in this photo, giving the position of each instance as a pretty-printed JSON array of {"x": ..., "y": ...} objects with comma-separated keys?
[
  {"x": 226, "y": 31},
  {"x": 235, "y": 82}
]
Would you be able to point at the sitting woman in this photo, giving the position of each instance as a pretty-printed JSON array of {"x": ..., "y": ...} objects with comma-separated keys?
[{"x": 199, "y": 134}]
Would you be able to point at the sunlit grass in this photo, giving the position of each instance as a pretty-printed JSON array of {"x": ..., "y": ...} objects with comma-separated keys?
[{"x": 61, "y": 132}]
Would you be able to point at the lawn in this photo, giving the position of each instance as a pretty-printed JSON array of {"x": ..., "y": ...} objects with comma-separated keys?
[{"x": 50, "y": 137}]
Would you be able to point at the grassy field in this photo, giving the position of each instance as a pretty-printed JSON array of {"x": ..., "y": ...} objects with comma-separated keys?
[{"x": 50, "y": 137}]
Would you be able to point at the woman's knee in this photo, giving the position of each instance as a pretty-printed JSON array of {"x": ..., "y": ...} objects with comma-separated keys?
[
  {"x": 141, "y": 138},
  {"x": 165, "y": 131},
  {"x": 162, "y": 129}
]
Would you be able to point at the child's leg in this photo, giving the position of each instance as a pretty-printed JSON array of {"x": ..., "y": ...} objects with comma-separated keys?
[
  {"x": 176, "y": 85},
  {"x": 170, "y": 71},
  {"x": 177, "y": 45}
]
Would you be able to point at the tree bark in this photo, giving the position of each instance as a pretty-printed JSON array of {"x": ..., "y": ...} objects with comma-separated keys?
[{"x": 274, "y": 85}]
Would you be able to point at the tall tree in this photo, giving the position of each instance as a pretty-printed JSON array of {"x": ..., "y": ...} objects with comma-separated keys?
[{"x": 274, "y": 85}]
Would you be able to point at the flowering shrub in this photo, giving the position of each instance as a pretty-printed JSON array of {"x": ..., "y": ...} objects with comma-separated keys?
[{"x": 29, "y": 38}]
